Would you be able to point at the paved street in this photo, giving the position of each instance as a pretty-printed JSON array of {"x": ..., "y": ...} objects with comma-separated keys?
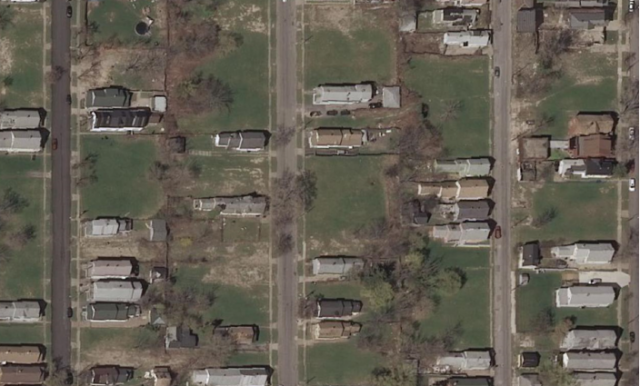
[
  {"x": 61, "y": 188},
  {"x": 286, "y": 88},
  {"x": 501, "y": 20}
]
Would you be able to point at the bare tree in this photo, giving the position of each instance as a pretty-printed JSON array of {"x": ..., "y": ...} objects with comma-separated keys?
[
  {"x": 306, "y": 189},
  {"x": 55, "y": 74},
  {"x": 282, "y": 136},
  {"x": 452, "y": 108}
]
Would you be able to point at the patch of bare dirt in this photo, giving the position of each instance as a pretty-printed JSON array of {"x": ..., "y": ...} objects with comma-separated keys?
[
  {"x": 248, "y": 17},
  {"x": 244, "y": 271},
  {"x": 6, "y": 64}
]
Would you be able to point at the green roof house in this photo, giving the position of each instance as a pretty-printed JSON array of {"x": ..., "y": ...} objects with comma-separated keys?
[{"x": 108, "y": 97}]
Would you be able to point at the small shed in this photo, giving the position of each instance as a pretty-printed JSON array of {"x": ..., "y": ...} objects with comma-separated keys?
[
  {"x": 527, "y": 20},
  {"x": 157, "y": 230},
  {"x": 391, "y": 97},
  {"x": 530, "y": 359}
]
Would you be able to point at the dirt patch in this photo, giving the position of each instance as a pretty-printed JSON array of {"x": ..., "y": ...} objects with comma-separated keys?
[
  {"x": 346, "y": 18},
  {"x": 247, "y": 17},
  {"x": 242, "y": 272},
  {"x": 6, "y": 49}
]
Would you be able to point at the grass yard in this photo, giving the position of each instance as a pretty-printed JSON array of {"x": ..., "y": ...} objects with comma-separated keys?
[
  {"x": 346, "y": 290},
  {"x": 123, "y": 186},
  {"x": 17, "y": 334},
  {"x": 21, "y": 78},
  {"x": 350, "y": 196},
  {"x": 228, "y": 174},
  {"x": 443, "y": 82},
  {"x": 452, "y": 257},
  {"x": 469, "y": 307},
  {"x": 592, "y": 87},
  {"x": 538, "y": 295},
  {"x": 116, "y": 20},
  {"x": 248, "y": 359},
  {"x": 585, "y": 211},
  {"x": 339, "y": 363}
]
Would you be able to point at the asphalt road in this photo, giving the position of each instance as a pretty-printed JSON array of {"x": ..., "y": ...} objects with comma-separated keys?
[
  {"x": 501, "y": 20},
  {"x": 60, "y": 187},
  {"x": 286, "y": 89}
]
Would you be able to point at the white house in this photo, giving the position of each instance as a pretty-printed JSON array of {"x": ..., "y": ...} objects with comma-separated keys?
[
  {"x": 585, "y": 253},
  {"x": 343, "y": 94},
  {"x": 585, "y": 296}
]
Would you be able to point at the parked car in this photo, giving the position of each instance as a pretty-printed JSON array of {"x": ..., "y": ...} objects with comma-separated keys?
[
  {"x": 632, "y": 6},
  {"x": 595, "y": 281},
  {"x": 632, "y": 336},
  {"x": 315, "y": 113},
  {"x": 345, "y": 112},
  {"x": 69, "y": 312},
  {"x": 632, "y": 134},
  {"x": 632, "y": 184},
  {"x": 69, "y": 11},
  {"x": 69, "y": 98},
  {"x": 332, "y": 113},
  {"x": 497, "y": 233},
  {"x": 496, "y": 72},
  {"x": 54, "y": 144},
  {"x": 375, "y": 105}
]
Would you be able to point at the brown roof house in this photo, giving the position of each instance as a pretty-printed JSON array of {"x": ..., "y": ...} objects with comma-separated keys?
[
  {"x": 591, "y": 146},
  {"x": 335, "y": 329},
  {"x": 110, "y": 375},
  {"x": 591, "y": 123},
  {"x": 337, "y": 308},
  {"x": 587, "y": 18},
  {"x": 22, "y": 374},
  {"x": 21, "y": 354},
  {"x": 161, "y": 376},
  {"x": 243, "y": 335},
  {"x": 323, "y": 138},
  {"x": 533, "y": 148}
]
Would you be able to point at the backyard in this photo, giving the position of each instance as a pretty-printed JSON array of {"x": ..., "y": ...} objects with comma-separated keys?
[
  {"x": 115, "y": 21},
  {"x": 122, "y": 185},
  {"x": 458, "y": 105},
  {"x": 348, "y": 365},
  {"x": 579, "y": 211}
]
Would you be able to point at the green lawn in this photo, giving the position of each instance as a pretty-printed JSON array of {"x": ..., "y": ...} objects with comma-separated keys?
[
  {"x": 585, "y": 211},
  {"x": 247, "y": 359},
  {"x": 569, "y": 96},
  {"x": 443, "y": 82},
  {"x": 350, "y": 196},
  {"x": 451, "y": 257},
  {"x": 339, "y": 363},
  {"x": 227, "y": 174},
  {"x": 364, "y": 54},
  {"x": 123, "y": 186},
  {"x": 469, "y": 307},
  {"x": 116, "y": 19},
  {"x": 22, "y": 80},
  {"x": 346, "y": 290},
  {"x": 539, "y": 295},
  {"x": 16, "y": 334}
]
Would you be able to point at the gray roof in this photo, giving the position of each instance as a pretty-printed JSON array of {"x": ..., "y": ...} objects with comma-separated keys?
[
  {"x": 342, "y": 94},
  {"x": 116, "y": 291},
  {"x": 180, "y": 337},
  {"x": 121, "y": 118},
  {"x": 596, "y": 379},
  {"x": 465, "y": 167},
  {"x": 157, "y": 230},
  {"x": 585, "y": 296},
  {"x": 589, "y": 360},
  {"x": 338, "y": 308},
  {"x": 335, "y": 265},
  {"x": 587, "y": 18},
  {"x": 589, "y": 339},
  {"x": 108, "y": 97},
  {"x": 105, "y": 227},
  {"x": 20, "y": 140},
  {"x": 466, "y": 360},
  {"x": 529, "y": 380},
  {"x": 473, "y": 210},
  {"x": 242, "y": 206},
  {"x": 110, "y": 267},
  {"x": 112, "y": 311},
  {"x": 20, "y": 119},
  {"x": 470, "y": 39},
  {"x": 586, "y": 253},
  {"x": 391, "y": 97},
  {"x": 21, "y": 310},
  {"x": 242, "y": 140},
  {"x": 238, "y": 376},
  {"x": 526, "y": 20},
  {"x": 531, "y": 254}
]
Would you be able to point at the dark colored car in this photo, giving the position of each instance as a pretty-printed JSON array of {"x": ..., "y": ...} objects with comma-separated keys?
[
  {"x": 496, "y": 72},
  {"x": 632, "y": 336},
  {"x": 332, "y": 113},
  {"x": 54, "y": 144},
  {"x": 315, "y": 113},
  {"x": 498, "y": 232},
  {"x": 69, "y": 11},
  {"x": 68, "y": 98},
  {"x": 69, "y": 312},
  {"x": 345, "y": 112},
  {"x": 376, "y": 105}
]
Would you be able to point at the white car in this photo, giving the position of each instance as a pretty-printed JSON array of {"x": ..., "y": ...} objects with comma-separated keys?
[
  {"x": 632, "y": 6},
  {"x": 632, "y": 184},
  {"x": 632, "y": 134}
]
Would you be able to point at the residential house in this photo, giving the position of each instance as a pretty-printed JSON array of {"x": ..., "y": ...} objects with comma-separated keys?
[
  {"x": 20, "y": 141},
  {"x": 452, "y": 191},
  {"x": 161, "y": 376},
  {"x": 110, "y": 290},
  {"x": 468, "y": 381},
  {"x": 589, "y": 360},
  {"x": 21, "y": 119},
  {"x": 157, "y": 274},
  {"x": 529, "y": 380},
  {"x": 456, "y": 17},
  {"x": 110, "y": 375},
  {"x": 337, "y": 308},
  {"x": 465, "y": 361},
  {"x": 587, "y": 168},
  {"x": 585, "y": 253},
  {"x": 242, "y": 335},
  {"x": 577, "y": 3},
  {"x": 468, "y": 39},
  {"x": 464, "y": 167},
  {"x": 107, "y": 227},
  {"x": 120, "y": 120},
  {"x": 466, "y": 234},
  {"x": 465, "y": 210},
  {"x": 472, "y": 189},
  {"x": 587, "y": 18},
  {"x": 240, "y": 206},
  {"x": 112, "y": 312},
  {"x": 591, "y": 146},
  {"x": 230, "y": 376},
  {"x": 463, "y": 3},
  {"x": 20, "y": 374},
  {"x": 529, "y": 359},
  {"x": 110, "y": 268},
  {"x": 533, "y": 148},
  {"x": 247, "y": 141},
  {"x": 336, "y": 265},
  {"x": 180, "y": 337},
  {"x": 157, "y": 230},
  {"x": 21, "y": 311},
  {"x": 582, "y": 338},
  {"x": 591, "y": 123},
  {"x": 343, "y": 94},
  {"x": 585, "y": 296},
  {"x": 108, "y": 97},
  {"x": 335, "y": 329},
  {"x": 530, "y": 257},
  {"x": 324, "y": 138},
  {"x": 391, "y": 97},
  {"x": 528, "y": 20},
  {"x": 595, "y": 379},
  {"x": 26, "y": 354}
]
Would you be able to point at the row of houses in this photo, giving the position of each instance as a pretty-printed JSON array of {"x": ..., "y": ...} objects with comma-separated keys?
[
  {"x": 110, "y": 110},
  {"x": 21, "y": 130},
  {"x": 162, "y": 376}
]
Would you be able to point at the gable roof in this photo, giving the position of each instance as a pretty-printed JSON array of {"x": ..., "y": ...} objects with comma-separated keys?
[
  {"x": 20, "y": 310},
  {"x": 110, "y": 267},
  {"x": 20, "y": 119},
  {"x": 20, "y": 140},
  {"x": 531, "y": 254},
  {"x": 593, "y": 145},
  {"x": 21, "y": 354},
  {"x": 230, "y": 376},
  {"x": 585, "y": 296},
  {"x": 587, "y": 18},
  {"x": 337, "y": 308},
  {"x": 589, "y": 339},
  {"x": 335, "y": 329},
  {"x": 337, "y": 137},
  {"x": 106, "y": 227},
  {"x": 133, "y": 119},
  {"x": 22, "y": 374},
  {"x": 464, "y": 167},
  {"x": 157, "y": 230},
  {"x": 473, "y": 210},
  {"x": 466, "y": 360},
  {"x": 530, "y": 359},
  {"x": 110, "y": 375},
  {"x": 589, "y": 360},
  {"x": 242, "y": 205},
  {"x": 591, "y": 123},
  {"x": 342, "y": 94},
  {"x": 595, "y": 379},
  {"x": 180, "y": 337},
  {"x": 585, "y": 253},
  {"x": 108, "y": 97},
  {"x": 112, "y": 311},
  {"x": 116, "y": 291},
  {"x": 335, "y": 265},
  {"x": 472, "y": 189},
  {"x": 391, "y": 97},
  {"x": 471, "y": 39}
]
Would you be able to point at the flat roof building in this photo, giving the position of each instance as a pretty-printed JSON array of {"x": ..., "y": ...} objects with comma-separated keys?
[
  {"x": 336, "y": 265},
  {"x": 230, "y": 376},
  {"x": 585, "y": 296},
  {"x": 342, "y": 94},
  {"x": 20, "y": 141},
  {"x": 110, "y": 290}
]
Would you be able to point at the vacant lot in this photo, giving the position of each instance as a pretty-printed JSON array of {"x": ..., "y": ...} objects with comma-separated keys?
[
  {"x": 457, "y": 92},
  {"x": 451, "y": 257},
  {"x": 17, "y": 334},
  {"x": 347, "y": 45},
  {"x": 346, "y": 290},
  {"x": 115, "y": 21},
  {"x": 21, "y": 50},
  {"x": 123, "y": 185},
  {"x": 349, "y": 365},
  {"x": 538, "y": 297},
  {"x": 350, "y": 196},
  {"x": 582, "y": 211},
  {"x": 589, "y": 84}
]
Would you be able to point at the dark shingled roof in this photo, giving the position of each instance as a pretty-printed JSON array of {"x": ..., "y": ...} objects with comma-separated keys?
[
  {"x": 336, "y": 308},
  {"x": 527, "y": 20},
  {"x": 531, "y": 254},
  {"x": 530, "y": 359}
]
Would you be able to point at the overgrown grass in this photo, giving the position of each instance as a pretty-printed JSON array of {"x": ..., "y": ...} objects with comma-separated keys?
[
  {"x": 116, "y": 19},
  {"x": 442, "y": 82},
  {"x": 124, "y": 186},
  {"x": 339, "y": 363},
  {"x": 584, "y": 211},
  {"x": 346, "y": 290}
]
